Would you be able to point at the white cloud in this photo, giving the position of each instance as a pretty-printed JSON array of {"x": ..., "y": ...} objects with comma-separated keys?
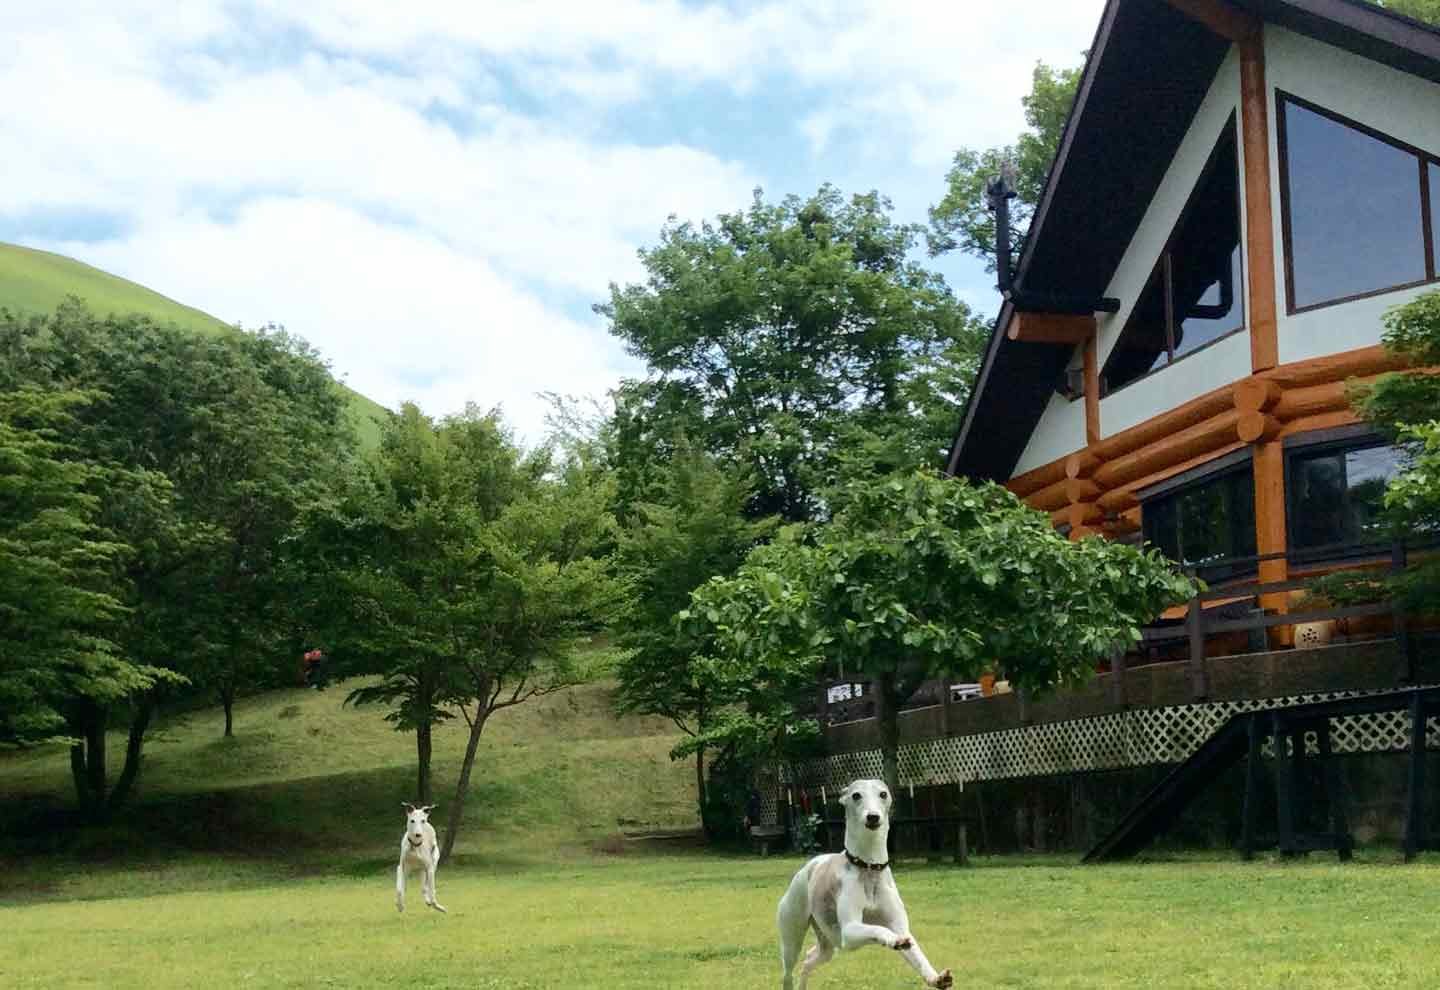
[{"x": 430, "y": 191}]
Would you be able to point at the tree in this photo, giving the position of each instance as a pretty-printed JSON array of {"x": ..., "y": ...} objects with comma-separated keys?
[
  {"x": 59, "y": 596},
  {"x": 213, "y": 444},
  {"x": 919, "y": 577},
  {"x": 962, "y": 220},
  {"x": 1404, "y": 406},
  {"x": 694, "y": 530},
  {"x": 465, "y": 579},
  {"x": 773, "y": 333}
]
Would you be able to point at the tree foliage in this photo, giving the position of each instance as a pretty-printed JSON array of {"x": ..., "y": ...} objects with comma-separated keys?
[
  {"x": 60, "y": 591},
  {"x": 465, "y": 577},
  {"x": 778, "y": 336},
  {"x": 696, "y": 529},
  {"x": 962, "y": 220},
  {"x": 211, "y": 447},
  {"x": 919, "y": 577}
]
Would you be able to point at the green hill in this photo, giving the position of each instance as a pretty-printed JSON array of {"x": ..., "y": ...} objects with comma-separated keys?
[
  {"x": 323, "y": 782},
  {"x": 34, "y": 281}
]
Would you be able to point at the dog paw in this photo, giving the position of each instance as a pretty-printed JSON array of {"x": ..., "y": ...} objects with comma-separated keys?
[
  {"x": 943, "y": 980},
  {"x": 903, "y": 943},
  {"x": 400, "y": 907},
  {"x": 437, "y": 906}
]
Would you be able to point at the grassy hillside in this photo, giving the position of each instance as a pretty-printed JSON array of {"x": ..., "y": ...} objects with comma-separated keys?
[
  {"x": 308, "y": 783},
  {"x": 36, "y": 281}
]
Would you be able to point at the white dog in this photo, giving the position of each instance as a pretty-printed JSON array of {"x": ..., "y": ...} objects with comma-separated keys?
[
  {"x": 850, "y": 898},
  {"x": 418, "y": 851}
]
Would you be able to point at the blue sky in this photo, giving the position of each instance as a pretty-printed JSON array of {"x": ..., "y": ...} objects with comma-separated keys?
[{"x": 434, "y": 193}]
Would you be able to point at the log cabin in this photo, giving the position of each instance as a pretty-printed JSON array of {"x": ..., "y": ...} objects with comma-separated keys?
[{"x": 1242, "y": 190}]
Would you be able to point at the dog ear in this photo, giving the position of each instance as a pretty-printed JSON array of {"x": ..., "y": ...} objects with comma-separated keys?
[
  {"x": 407, "y": 806},
  {"x": 428, "y": 808}
]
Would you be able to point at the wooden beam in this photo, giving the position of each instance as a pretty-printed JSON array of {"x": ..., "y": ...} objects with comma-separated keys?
[
  {"x": 1324, "y": 421},
  {"x": 1081, "y": 464},
  {"x": 1050, "y": 497},
  {"x": 1259, "y": 212},
  {"x": 1051, "y": 328},
  {"x": 1257, "y": 427},
  {"x": 1269, "y": 465},
  {"x": 1359, "y": 363},
  {"x": 1202, "y": 438},
  {"x": 1219, "y": 17},
  {"x": 1080, "y": 490},
  {"x": 1257, "y": 394},
  {"x": 1124, "y": 497},
  {"x": 1092, "y": 393}
]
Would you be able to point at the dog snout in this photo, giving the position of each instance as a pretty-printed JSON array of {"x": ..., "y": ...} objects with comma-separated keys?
[{"x": 872, "y": 820}]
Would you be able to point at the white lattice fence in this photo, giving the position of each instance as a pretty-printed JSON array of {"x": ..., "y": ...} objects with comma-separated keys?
[{"x": 1134, "y": 738}]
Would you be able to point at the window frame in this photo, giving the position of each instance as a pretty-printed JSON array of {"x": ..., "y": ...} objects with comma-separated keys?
[
  {"x": 1427, "y": 207},
  {"x": 1162, "y": 267},
  {"x": 1240, "y": 460},
  {"x": 1359, "y": 436}
]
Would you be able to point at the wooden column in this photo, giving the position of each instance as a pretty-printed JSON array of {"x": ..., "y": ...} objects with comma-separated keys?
[
  {"x": 1269, "y": 462},
  {"x": 1259, "y": 210}
]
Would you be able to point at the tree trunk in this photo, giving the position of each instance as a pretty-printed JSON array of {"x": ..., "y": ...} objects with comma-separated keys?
[
  {"x": 87, "y": 757},
  {"x": 133, "y": 751},
  {"x": 462, "y": 787},
  {"x": 422, "y": 763},
  {"x": 227, "y": 699},
  {"x": 700, "y": 794},
  {"x": 78, "y": 775},
  {"x": 889, "y": 726}
]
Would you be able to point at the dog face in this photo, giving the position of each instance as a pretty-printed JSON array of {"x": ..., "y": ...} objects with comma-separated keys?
[
  {"x": 867, "y": 805},
  {"x": 415, "y": 822}
]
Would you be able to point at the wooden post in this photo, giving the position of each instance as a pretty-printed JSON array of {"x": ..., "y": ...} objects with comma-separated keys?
[
  {"x": 1259, "y": 216},
  {"x": 1092, "y": 392},
  {"x": 1195, "y": 625},
  {"x": 1284, "y": 786},
  {"x": 962, "y": 846},
  {"x": 1335, "y": 794},
  {"x": 1415, "y": 800},
  {"x": 1252, "y": 789}
]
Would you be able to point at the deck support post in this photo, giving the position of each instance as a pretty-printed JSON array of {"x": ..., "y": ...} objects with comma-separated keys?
[{"x": 1415, "y": 799}]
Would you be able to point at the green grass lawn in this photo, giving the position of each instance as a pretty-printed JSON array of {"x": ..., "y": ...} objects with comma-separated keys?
[
  {"x": 706, "y": 921},
  {"x": 267, "y": 860},
  {"x": 34, "y": 281}
]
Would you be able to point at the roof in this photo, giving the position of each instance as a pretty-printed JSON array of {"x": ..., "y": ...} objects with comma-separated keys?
[{"x": 1150, "y": 67}]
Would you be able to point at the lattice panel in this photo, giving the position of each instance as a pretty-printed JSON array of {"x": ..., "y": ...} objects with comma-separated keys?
[{"x": 1134, "y": 738}]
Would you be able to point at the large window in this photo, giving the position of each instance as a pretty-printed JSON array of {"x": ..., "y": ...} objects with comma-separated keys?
[
  {"x": 1194, "y": 296},
  {"x": 1358, "y": 208},
  {"x": 1207, "y": 521},
  {"x": 1336, "y": 493}
]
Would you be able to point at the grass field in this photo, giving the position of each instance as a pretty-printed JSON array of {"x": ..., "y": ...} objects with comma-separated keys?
[
  {"x": 706, "y": 921},
  {"x": 34, "y": 281},
  {"x": 267, "y": 861}
]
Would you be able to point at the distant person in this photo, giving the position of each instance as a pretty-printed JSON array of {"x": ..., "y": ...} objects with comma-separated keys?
[
  {"x": 315, "y": 669},
  {"x": 752, "y": 810}
]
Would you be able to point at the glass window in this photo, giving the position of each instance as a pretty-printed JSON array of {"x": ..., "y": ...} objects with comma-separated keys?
[
  {"x": 1353, "y": 210},
  {"x": 1336, "y": 495},
  {"x": 1204, "y": 524},
  {"x": 1434, "y": 220},
  {"x": 1195, "y": 295}
]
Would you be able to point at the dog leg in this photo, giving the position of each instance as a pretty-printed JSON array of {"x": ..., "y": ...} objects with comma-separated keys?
[
  {"x": 854, "y": 933},
  {"x": 892, "y": 912},
  {"x": 818, "y": 956},
  {"x": 430, "y": 891},
  {"x": 793, "y": 918},
  {"x": 400, "y": 887}
]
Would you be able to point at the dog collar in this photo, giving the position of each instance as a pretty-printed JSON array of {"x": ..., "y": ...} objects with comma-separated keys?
[{"x": 857, "y": 861}]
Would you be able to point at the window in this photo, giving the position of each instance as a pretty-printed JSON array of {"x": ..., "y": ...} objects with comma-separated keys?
[
  {"x": 1336, "y": 492},
  {"x": 1355, "y": 208},
  {"x": 1194, "y": 297},
  {"x": 1206, "y": 522}
]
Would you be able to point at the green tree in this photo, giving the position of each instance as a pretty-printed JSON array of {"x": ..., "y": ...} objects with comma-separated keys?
[
  {"x": 962, "y": 220},
  {"x": 773, "y": 335},
  {"x": 1404, "y": 406},
  {"x": 59, "y": 597},
  {"x": 216, "y": 443},
  {"x": 919, "y": 577},
  {"x": 463, "y": 576},
  {"x": 695, "y": 529}
]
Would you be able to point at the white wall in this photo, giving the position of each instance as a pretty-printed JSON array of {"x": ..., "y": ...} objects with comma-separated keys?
[
  {"x": 1061, "y": 431},
  {"x": 1403, "y": 106}
]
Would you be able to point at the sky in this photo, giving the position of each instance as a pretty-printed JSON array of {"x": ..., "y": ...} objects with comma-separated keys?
[{"x": 435, "y": 193}]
